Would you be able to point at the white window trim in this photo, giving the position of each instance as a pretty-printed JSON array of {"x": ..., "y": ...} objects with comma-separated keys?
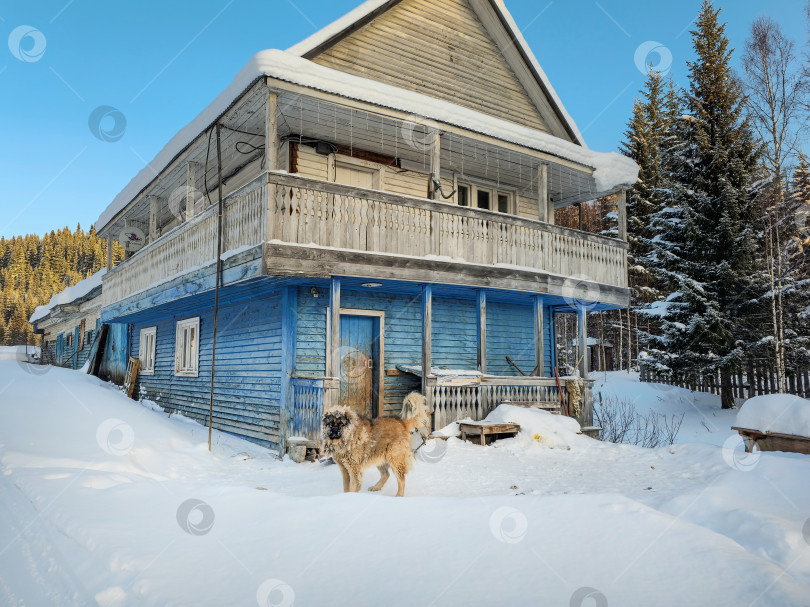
[
  {"x": 142, "y": 356},
  {"x": 182, "y": 325},
  {"x": 477, "y": 184}
]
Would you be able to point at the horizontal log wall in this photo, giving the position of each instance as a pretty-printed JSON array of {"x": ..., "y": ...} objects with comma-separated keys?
[{"x": 248, "y": 368}]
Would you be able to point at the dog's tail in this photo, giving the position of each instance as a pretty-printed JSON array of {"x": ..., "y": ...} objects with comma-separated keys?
[{"x": 415, "y": 414}]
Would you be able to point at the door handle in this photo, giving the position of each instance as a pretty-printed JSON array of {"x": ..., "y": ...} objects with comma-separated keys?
[{"x": 369, "y": 363}]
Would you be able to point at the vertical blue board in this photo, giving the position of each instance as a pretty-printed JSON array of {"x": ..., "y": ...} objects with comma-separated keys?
[
  {"x": 60, "y": 348},
  {"x": 114, "y": 361},
  {"x": 248, "y": 375}
]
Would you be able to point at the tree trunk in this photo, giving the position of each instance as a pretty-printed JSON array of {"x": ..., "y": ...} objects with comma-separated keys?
[{"x": 726, "y": 392}]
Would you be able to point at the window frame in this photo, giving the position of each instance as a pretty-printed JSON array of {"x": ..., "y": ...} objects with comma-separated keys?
[
  {"x": 179, "y": 344},
  {"x": 474, "y": 186},
  {"x": 144, "y": 368}
]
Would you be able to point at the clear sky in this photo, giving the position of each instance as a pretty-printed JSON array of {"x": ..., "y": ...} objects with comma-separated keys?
[{"x": 157, "y": 64}]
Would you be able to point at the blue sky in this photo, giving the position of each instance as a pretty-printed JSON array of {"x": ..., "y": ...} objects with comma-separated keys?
[{"x": 160, "y": 63}]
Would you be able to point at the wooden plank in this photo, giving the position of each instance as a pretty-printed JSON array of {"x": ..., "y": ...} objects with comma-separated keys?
[
  {"x": 482, "y": 330},
  {"x": 131, "y": 375},
  {"x": 427, "y": 333},
  {"x": 539, "y": 329},
  {"x": 582, "y": 340}
]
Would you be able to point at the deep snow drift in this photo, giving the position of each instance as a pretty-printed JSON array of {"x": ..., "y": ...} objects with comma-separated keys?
[{"x": 107, "y": 501}]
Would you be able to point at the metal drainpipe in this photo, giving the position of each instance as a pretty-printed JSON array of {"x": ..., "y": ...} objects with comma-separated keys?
[{"x": 218, "y": 281}]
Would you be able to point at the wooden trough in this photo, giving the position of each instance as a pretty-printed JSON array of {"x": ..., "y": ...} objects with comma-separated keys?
[{"x": 773, "y": 441}]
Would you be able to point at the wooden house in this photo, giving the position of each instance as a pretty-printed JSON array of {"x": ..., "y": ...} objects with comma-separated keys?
[
  {"x": 68, "y": 324},
  {"x": 375, "y": 201}
]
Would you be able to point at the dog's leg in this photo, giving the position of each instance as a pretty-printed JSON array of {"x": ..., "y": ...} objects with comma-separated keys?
[
  {"x": 400, "y": 476},
  {"x": 355, "y": 479},
  {"x": 384, "y": 474},
  {"x": 345, "y": 474}
]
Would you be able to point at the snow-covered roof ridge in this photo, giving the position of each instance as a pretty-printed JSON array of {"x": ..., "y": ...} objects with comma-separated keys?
[
  {"x": 359, "y": 13},
  {"x": 79, "y": 290},
  {"x": 612, "y": 170}
]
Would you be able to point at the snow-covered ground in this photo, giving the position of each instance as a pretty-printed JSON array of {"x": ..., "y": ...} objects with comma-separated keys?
[{"x": 106, "y": 501}]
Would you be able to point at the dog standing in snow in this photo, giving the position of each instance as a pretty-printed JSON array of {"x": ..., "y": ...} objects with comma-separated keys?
[{"x": 357, "y": 443}]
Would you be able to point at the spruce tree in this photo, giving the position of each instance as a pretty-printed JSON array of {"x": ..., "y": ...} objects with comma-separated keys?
[{"x": 706, "y": 224}]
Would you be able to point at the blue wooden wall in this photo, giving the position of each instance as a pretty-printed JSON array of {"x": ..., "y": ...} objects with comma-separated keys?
[
  {"x": 510, "y": 331},
  {"x": 247, "y": 385},
  {"x": 68, "y": 356}
]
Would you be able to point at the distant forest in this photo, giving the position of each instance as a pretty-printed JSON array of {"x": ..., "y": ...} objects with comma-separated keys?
[{"x": 34, "y": 268}]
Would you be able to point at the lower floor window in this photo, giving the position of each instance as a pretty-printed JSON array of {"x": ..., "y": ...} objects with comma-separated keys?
[
  {"x": 186, "y": 347},
  {"x": 146, "y": 351}
]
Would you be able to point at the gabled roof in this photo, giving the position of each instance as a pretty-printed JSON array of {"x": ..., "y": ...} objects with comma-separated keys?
[{"x": 369, "y": 10}]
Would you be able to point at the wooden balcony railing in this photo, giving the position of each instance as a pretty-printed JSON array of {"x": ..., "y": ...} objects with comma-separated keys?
[
  {"x": 193, "y": 244},
  {"x": 307, "y": 211}
]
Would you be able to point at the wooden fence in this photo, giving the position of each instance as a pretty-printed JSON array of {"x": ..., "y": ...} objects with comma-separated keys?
[{"x": 758, "y": 378}]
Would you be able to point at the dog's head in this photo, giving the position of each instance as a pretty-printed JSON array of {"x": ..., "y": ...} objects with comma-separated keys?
[{"x": 335, "y": 424}]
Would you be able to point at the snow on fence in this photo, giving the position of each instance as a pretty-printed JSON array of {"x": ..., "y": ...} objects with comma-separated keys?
[{"x": 757, "y": 379}]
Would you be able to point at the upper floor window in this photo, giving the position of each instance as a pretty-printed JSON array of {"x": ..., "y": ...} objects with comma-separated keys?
[
  {"x": 187, "y": 348},
  {"x": 486, "y": 197},
  {"x": 146, "y": 351}
]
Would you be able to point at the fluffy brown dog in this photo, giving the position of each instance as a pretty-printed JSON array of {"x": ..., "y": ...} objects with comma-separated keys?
[{"x": 357, "y": 443}]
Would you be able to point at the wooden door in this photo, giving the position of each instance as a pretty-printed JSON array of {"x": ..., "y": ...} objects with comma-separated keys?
[
  {"x": 357, "y": 364},
  {"x": 60, "y": 348}
]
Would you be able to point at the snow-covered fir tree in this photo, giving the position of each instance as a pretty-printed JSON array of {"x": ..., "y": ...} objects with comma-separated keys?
[{"x": 705, "y": 229}]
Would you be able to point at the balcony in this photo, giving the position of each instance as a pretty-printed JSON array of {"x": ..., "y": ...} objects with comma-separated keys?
[{"x": 311, "y": 227}]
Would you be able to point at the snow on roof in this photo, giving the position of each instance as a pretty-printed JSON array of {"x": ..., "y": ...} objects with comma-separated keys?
[
  {"x": 69, "y": 295},
  {"x": 361, "y": 12},
  {"x": 612, "y": 170}
]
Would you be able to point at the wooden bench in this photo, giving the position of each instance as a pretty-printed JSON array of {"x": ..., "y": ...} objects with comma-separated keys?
[
  {"x": 488, "y": 433},
  {"x": 546, "y": 405},
  {"x": 773, "y": 441}
]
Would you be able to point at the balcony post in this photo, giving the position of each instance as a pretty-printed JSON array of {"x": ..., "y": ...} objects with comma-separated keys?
[
  {"x": 271, "y": 147},
  {"x": 582, "y": 339},
  {"x": 191, "y": 189},
  {"x": 539, "y": 336},
  {"x": 542, "y": 192},
  {"x": 271, "y": 131},
  {"x": 436, "y": 163},
  {"x": 153, "y": 211},
  {"x": 482, "y": 331},
  {"x": 109, "y": 250},
  {"x": 622, "y": 209}
]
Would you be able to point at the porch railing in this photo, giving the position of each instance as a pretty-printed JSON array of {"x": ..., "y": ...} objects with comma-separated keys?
[
  {"x": 476, "y": 399},
  {"x": 310, "y": 212},
  {"x": 193, "y": 244},
  {"x": 307, "y": 397}
]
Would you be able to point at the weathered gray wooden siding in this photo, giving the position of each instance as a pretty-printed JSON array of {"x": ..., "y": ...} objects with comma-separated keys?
[
  {"x": 439, "y": 49},
  {"x": 247, "y": 383}
]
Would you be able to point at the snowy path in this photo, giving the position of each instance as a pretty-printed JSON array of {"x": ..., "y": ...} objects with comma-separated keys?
[{"x": 94, "y": 509}]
